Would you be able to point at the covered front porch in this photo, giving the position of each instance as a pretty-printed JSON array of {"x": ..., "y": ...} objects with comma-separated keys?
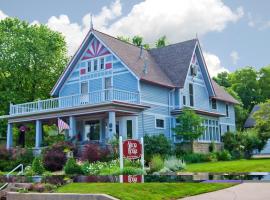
[{"x": 90, "y": 123}]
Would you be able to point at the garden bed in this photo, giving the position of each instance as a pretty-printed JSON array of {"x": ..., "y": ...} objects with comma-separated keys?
[{"x": 150, "y": 191}]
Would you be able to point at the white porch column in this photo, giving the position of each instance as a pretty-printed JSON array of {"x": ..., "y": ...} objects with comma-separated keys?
[
  {"x": 72, "y": 126},
  {"x": 123, "y": 128},
  {"x": 38, "y": 134},
  {"x": 9, "y": 136},
  {"x": 112, "y": 125}
]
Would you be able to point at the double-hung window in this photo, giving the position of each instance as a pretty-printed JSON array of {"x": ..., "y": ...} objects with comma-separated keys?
[{"x": 160, "y": 123}]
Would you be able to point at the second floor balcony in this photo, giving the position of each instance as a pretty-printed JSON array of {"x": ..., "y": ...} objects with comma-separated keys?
[{"x": 65, "y": 102}]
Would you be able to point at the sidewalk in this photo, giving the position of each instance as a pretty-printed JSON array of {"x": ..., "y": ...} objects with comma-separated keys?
[{"x": 244, "y": 191}]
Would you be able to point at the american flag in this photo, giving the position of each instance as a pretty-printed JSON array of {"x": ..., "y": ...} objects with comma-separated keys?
[{"x": 62, "y": 125}]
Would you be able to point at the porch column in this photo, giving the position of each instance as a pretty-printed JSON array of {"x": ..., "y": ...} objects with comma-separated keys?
[
  {"x": 38, "y": 134},
  {"x": 72, "y": 127},
  {"x": 112, "y": 125},
  {"x": 9, "y": 136}
]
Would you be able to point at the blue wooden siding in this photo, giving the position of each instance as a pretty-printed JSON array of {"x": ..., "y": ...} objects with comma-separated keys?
[
  {"x": 70, "y": 89},
  {"x": 95, "y": 84},
  {"x": 125, "y": 81}
]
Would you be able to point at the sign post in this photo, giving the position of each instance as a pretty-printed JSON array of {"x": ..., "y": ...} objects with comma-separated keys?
[{"x": 131, "y": 149}]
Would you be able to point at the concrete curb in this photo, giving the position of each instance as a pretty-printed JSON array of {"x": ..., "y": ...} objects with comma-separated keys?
[{"x": 57, "y": 196}]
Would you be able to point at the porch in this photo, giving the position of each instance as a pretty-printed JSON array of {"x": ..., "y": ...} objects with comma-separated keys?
[{"x": 91, "y": 118}]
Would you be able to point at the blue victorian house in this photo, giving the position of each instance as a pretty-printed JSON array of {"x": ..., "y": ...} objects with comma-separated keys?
[{"x": 112, "y": 87}]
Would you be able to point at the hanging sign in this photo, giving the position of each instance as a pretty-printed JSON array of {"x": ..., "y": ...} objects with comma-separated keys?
[{"x": 132, "y": 149}]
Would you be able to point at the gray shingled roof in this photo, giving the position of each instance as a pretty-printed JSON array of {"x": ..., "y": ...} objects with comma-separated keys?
[
  {"x": 175, "y": 59},
  {"x": 250, "y": 122},
  {"x": 221, "y": 93},
  {"x": 166, "y": 66},
  {"x": 130, "y": 55}
]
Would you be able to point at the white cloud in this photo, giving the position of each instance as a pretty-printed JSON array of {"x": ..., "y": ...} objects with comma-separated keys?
[
  {"x": 213, "y": 64},
  {"x": 177, "y": 19},
  {"x": 2, "y": 15},
  {"x": 75, "y": 33},
  {"x": 235, "y": 57},
  {"x": 257, "y": 22}
]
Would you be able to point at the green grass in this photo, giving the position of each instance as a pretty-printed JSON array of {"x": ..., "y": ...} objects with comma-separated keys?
[
  {"x": 253, "y": 165},
  {"x": 139, "y": 191}
]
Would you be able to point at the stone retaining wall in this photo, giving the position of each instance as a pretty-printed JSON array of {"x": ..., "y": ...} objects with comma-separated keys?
[
  {"x": 58, "y": 196},
  {"x": 200, "y": 147}
]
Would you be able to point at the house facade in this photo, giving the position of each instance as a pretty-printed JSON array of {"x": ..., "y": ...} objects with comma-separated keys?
[{"x": 112, "y": 88}]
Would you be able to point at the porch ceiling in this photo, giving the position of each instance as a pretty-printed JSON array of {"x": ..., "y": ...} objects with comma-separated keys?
[{"x": 80, "y": 111}]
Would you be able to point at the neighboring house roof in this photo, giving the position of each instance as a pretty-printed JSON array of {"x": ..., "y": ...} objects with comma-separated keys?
[
  {"x": 250, "y": 122},
  {"x": 175, "y": 60},
  {"x": 222, "y": 94},
  {"x": 167, "y": 66}
]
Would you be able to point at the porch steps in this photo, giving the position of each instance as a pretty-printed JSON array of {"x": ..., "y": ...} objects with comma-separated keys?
[{"x": 14, "y": 187}]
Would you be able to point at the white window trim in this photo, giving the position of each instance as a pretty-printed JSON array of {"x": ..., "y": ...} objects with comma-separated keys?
[{"x": 160, "y": 118}]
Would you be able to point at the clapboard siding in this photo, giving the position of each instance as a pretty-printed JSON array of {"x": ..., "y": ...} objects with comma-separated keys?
[{"x": 125, "y": 81}]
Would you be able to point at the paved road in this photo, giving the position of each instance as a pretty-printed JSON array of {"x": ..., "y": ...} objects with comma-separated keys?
[{"x": 244, "y": 191}]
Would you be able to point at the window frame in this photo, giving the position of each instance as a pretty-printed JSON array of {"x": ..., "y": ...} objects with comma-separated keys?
[
  {"x": 160, "y": 118},
  {"x": 214, "y": 100},
  {"x": 191, "y": 95},
  {"x": 227, "y": 110}
]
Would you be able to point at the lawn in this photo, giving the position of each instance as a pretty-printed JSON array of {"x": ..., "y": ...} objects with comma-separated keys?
[
  {"x": 253, "y": 165},
  {"x": 150, "y": 191}
]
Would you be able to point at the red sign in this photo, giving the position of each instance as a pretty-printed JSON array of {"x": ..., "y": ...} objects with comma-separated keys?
[
  {"x": 132, "y": 178},
  {"x": 132, "y": 149}
]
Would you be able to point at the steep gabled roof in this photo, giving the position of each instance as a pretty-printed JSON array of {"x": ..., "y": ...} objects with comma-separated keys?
[
  {"x": 175, "y": 60},
  {"x": 130, "y": 56},
  {"x": 167, "y": 66},
  {"x": 222, "y": 94}
]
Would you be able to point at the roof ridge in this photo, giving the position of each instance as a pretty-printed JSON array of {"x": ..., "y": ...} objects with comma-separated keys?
[
  {"x": 173, "y": 44},
  {"x": 120, "y": 39}
]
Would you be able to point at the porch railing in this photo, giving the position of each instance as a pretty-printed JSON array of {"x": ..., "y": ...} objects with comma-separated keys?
[{"x": 96, "y": 97}]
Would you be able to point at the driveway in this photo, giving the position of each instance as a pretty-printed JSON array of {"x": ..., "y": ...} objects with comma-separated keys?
[{"x": 244, "y": 191}]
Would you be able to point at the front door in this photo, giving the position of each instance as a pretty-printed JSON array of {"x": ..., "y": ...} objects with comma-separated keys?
[{"x": 92, "y": 130}]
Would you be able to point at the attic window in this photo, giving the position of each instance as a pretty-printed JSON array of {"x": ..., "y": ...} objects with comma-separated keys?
[
  {"x": 89, "y": 66},
  {"x": 102, "y": 63},
  {"x": 95, "y": 65},
  {"x": 214, "y": 104},
  {"x": 193, "y": 70}
]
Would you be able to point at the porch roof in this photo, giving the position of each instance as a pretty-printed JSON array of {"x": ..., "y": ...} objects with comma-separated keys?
[
  {"x": 201, "y": 112},
  {"x": 78, "y": 111}
]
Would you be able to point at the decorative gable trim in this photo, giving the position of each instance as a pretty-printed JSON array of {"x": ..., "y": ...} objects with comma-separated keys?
[{"x": 96, "y": 48}]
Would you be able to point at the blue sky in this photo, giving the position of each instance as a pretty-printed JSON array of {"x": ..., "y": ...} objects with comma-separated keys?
[{"x": 233, "y": 33}]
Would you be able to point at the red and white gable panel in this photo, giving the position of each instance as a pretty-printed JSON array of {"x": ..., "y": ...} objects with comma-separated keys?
[{"x": 95, "y": 49}]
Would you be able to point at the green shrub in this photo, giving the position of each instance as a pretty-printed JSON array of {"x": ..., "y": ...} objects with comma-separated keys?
[
  {"x": 174, "y": 164},
  {"x": 212, "y": 147},
  {"x": 114, "y": 170},
  {"x": 71, "y": 167},
  {"x": 224, "y": 155},
  {"x": 37, "y": 166},
  {"x": 157, "y": 144},
  {"x": 197, "y": 157},
  {"x": 132, "y": 171},
  {"x": 156, "y": 163}
]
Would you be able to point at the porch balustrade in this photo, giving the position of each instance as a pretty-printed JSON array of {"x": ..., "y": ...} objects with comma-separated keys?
[{"x": 97, "y": 97}]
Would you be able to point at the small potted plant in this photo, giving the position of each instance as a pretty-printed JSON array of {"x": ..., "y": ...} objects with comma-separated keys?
[{"x": 38, "y": 169}]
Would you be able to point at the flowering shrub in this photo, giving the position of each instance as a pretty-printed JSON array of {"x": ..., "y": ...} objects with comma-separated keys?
[
  {"x": 174, "y": 164},
  {"x": 93, "y": 153},
  {"x": 54, "y": 159}
]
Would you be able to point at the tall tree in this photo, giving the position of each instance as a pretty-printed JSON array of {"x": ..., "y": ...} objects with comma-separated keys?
[
  {"x": 31, "y": 60},
  {"x": 264, "y": 82},
  {"x": 223, "y": 79},
  {"x": 244, "y": 83},
  {"x": 161, "y": 42}
]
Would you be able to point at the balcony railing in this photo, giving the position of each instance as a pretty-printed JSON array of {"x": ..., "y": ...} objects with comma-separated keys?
[{"x": 96, "y": 97}]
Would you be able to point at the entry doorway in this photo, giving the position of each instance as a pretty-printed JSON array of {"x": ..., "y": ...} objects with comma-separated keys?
[{"x": 92, "y": 130}]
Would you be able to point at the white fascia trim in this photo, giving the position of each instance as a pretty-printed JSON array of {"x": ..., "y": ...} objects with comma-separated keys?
[{"x": 205, "y": 66}]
